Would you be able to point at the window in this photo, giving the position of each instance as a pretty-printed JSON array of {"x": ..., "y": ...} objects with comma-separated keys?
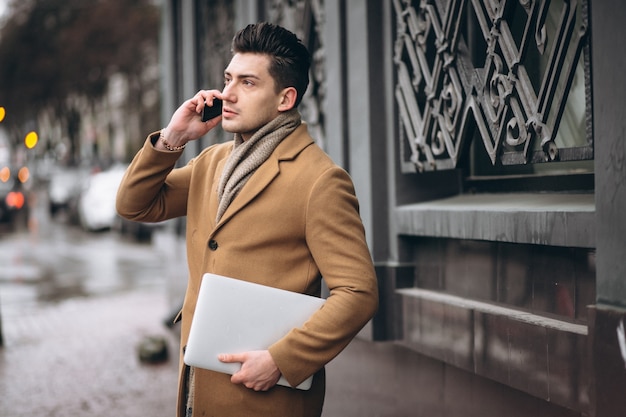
[{"x": 497, "y": 89}]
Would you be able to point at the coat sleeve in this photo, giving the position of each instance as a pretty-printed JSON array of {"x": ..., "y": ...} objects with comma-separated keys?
[
  {"x": 151, "y": 189},
  {"x": 336, "y": 239}
]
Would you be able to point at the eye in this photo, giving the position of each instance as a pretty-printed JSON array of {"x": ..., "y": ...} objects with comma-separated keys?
[{"x": 248, "y": 82}]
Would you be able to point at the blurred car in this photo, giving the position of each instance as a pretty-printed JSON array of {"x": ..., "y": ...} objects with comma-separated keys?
[
  {"x": 64, "y": 190},
  {"x": 14, "y": 207},
  {"x": 96, "y": 204}
]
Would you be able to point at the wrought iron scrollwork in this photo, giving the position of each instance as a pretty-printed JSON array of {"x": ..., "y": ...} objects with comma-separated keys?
[{"x": 502, "y": 67}]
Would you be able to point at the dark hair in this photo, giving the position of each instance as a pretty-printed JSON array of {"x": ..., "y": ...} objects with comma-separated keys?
[{"x": 289, "y": 58}]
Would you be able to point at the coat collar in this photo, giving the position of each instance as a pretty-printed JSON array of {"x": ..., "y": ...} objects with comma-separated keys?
[{"x": 287, "y": 150}]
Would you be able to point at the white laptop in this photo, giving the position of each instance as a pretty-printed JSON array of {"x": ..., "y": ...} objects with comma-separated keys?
[{"x": 234, "y": 316}]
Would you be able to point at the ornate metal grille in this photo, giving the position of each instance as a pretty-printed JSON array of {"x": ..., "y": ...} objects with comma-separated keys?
[{"x": 502, "y": 67}]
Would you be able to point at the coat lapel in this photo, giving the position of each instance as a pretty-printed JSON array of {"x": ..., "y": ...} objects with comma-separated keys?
[
  {"x": 288, "y": 149},
  {"x": 255, "y": 185}
]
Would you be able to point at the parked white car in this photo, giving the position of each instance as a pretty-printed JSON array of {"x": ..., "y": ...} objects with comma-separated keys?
[
  {"x": 64, "y": 189},
  {"x": 96, "y": 206}
]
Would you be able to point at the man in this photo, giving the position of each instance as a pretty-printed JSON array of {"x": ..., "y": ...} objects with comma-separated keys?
[{"x": 269, "y": 207}]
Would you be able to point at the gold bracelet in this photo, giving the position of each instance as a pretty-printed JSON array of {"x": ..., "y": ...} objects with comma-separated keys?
[{"x": 168, "y": 146}]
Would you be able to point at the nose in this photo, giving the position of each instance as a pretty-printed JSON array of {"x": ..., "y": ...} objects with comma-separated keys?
[{"x": 228, "y": 94}]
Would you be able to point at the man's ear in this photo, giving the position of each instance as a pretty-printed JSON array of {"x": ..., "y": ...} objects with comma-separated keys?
[{"x": 287, "y": 99}]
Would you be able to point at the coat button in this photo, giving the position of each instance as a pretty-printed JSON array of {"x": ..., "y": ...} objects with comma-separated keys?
[{"x": 213, "y": 244}]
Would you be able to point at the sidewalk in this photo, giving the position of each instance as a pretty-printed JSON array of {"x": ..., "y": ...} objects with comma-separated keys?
[{"x": 79, "y": 358}]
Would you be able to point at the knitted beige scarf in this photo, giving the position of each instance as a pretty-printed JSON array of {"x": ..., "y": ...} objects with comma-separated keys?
[{"x": 248, "y": 155}]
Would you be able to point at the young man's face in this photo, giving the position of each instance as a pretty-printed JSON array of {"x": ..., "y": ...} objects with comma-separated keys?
[{"x": 250, "y": 97}]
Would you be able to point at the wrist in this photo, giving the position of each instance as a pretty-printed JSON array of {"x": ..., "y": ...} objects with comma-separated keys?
[{"x": 165, "y": 144}]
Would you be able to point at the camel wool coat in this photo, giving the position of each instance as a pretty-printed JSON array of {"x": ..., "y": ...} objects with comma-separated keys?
[{"x": 295, "y": 221}]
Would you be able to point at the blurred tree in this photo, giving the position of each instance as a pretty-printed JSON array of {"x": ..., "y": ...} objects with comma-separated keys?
[{"x": 58, "y": 55}]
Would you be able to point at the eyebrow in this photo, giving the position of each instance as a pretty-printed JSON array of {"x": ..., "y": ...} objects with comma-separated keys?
[{"x": 243, "y": 75}]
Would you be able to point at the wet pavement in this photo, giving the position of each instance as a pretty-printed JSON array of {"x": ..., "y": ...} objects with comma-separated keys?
[
  {"x": 74, "y": 309},
  {"x": 79, "y": 358}
]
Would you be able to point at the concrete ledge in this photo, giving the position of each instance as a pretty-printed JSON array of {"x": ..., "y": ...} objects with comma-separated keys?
[
  {"x": 541, "y": 356},
  {"x": 542, "y": 219}
]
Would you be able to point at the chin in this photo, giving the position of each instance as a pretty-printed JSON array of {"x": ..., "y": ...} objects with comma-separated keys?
[{"x": 229, "y": 127}]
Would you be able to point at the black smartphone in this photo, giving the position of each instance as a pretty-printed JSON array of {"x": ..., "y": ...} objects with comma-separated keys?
[{"x": 209, "y": 112}]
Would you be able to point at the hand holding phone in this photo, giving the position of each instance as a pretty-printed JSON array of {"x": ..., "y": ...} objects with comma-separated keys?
[{"x": 210, "y": 112}]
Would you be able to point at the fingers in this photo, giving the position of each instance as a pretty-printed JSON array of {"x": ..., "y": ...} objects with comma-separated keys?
[
  {"x": 232, "y": 357},
  {"x": 256, "y": 373},
  {"x": 240, "y": 376},
  {"x": 253, "y": 384},
  {"x": 205, "y": 96}
]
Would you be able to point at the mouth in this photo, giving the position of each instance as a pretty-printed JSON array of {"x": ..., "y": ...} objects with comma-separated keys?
[{"x": 226, "y": 111}]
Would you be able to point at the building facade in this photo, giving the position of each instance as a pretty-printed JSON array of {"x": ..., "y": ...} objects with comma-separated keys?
[{"x": 486, "y": 142}]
